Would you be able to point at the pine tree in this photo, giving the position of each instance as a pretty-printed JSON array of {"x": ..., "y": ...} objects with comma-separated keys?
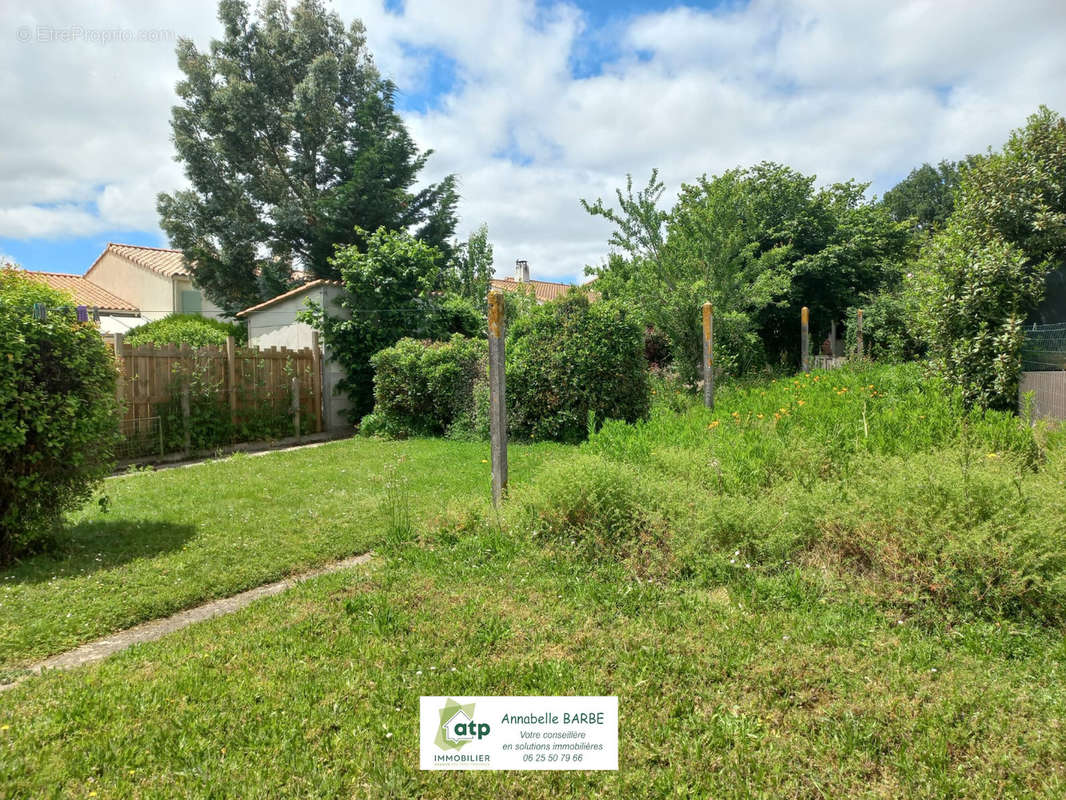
[{"x": 291, "y": 144}]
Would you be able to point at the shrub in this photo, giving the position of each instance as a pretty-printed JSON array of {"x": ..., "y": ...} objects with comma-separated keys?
[
  {"x": 425, "y": 388},
  {"x": 569, "y": 361},
  {"x": 190, "y": 329},
  {"x": 58, "y": 425}
]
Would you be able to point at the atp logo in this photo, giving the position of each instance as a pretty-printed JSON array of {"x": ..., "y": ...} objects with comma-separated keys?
[{"x": 457, "y": 727}]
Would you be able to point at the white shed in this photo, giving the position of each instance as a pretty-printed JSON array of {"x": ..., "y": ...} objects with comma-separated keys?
[{"x": 274, "y": 323}]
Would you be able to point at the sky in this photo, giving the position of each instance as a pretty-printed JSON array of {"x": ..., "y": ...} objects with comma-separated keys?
[{"x": 533, "y": 105}]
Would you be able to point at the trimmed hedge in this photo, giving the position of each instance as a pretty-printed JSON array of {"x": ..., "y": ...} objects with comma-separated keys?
[
  {"x": 58, "y": 422},
  {"x": 424, "y": 388},
  {"x": 571, "y": 365},
  {"x": 190, "y": 329}
]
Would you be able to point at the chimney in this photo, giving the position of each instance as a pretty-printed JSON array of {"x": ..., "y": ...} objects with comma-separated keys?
[{"x": 521, "y": 271}]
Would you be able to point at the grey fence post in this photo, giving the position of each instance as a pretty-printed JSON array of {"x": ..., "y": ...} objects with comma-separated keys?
[
  {"x": 708, "y": 355},
  {"x": 858, "y": 334},
  {"x": 805, "y": 346},
  {"x": 497, "y": 396}
]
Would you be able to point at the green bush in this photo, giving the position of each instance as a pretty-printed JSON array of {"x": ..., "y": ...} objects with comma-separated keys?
[
  {"x": 425, "y": 388},
  {"x": 190, "y": 329},
  {"x": 572, "y": 361},
  {"x": 58, "y": 422}
]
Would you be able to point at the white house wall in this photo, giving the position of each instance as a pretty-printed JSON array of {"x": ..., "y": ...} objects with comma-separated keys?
[{"x": 153, "y": 294}]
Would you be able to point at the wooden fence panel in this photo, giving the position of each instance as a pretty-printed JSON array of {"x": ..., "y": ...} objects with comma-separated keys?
[{"x": 244, "y": 379}]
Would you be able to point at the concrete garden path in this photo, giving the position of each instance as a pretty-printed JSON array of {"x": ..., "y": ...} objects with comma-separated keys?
[{"x": 158, "y": 628}]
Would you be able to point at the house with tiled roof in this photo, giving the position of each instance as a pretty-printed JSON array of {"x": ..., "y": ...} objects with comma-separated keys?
[
  {"x": 543, "y": 291},
  {"x": 117, "y": 315},
  {"x": 156, "y": 280}
]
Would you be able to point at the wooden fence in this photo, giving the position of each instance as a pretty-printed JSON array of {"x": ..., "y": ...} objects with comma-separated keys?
[{"x": 247, "y": 379}]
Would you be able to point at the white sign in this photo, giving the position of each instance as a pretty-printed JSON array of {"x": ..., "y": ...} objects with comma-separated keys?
[{"x": 518, "y": 733}]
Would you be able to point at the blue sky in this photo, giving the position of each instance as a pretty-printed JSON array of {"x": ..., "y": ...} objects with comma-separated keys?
[{"x": 535, "y": 105}]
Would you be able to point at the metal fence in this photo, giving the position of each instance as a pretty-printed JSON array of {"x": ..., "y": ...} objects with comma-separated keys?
[{"x": 1044, "y": 371}]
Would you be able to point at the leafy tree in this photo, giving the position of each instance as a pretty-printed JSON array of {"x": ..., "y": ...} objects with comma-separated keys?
[
  {"x": 391, "y": 290},
  {"x": 926, "y": 196},
  {"x": 58, "y": 425},
  {"x": 758, "y": 243},
  {"x": 473, "y": 266},
  {"x": 987, "y": 271},
  {"x": 1019, "y": 194},
  {"x": 292, "y": 146},
  {"x": 977, "y": 291}
]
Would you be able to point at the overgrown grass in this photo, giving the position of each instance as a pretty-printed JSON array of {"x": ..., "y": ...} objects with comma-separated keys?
[{"x": 876, "y": 474}]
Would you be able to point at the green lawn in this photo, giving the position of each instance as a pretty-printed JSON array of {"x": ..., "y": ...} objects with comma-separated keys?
[
  {"x": 861, "y": 597},
  {"x": 175, "y": 538},
  {"x": 781, "y": 689}
]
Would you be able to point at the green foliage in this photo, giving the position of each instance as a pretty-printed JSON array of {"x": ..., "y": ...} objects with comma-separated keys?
[
  {"x": 190, "y": 329},
  {"x": 425, "y": 388},
  {"x": 757, "y": 243},
  {"x": 472, "y": 265},
  {"x": 58, "y": 422},
  {"x": 986, "y": 272},
  {"x": 391, "y": 290},
  {"x": 889, "y": 329},
  {"x": 292, "y": 146},
  {"x": 926, "y": 197},
  {"x": 569, "y": 358}
]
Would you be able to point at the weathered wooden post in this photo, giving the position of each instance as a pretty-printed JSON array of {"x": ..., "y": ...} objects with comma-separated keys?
[
  {"x": 858, "y": 334},
  {"x": 497, "y": 396},
  {"x": 296, "y": 405},
  {"x": 708, "y": 355},
  {"x": 805, "y": 357}
]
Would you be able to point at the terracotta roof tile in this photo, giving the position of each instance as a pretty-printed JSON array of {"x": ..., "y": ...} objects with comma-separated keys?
[
  {"x": 85, "y": 292},
  {"x": 162, "y": 261},
  {"x": 542, "y": 290}
]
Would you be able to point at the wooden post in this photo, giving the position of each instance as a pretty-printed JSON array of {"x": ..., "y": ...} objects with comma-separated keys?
[
  {"x": 805, "y": 357},
  {"x": 186, "y": 413},
  {"x": 708, "y": 355},
  {"x": 858, "y": 334},
  {"x": 231, "y": 377},
  {"x": 296, "y": 405},
  {"x": 316, "y": 380},
  {"x": 120, "y": 366},
  {"x": 497, "y": 396}
]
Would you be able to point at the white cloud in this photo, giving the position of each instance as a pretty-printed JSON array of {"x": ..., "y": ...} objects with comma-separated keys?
[{"x": 833, "y": 87}]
